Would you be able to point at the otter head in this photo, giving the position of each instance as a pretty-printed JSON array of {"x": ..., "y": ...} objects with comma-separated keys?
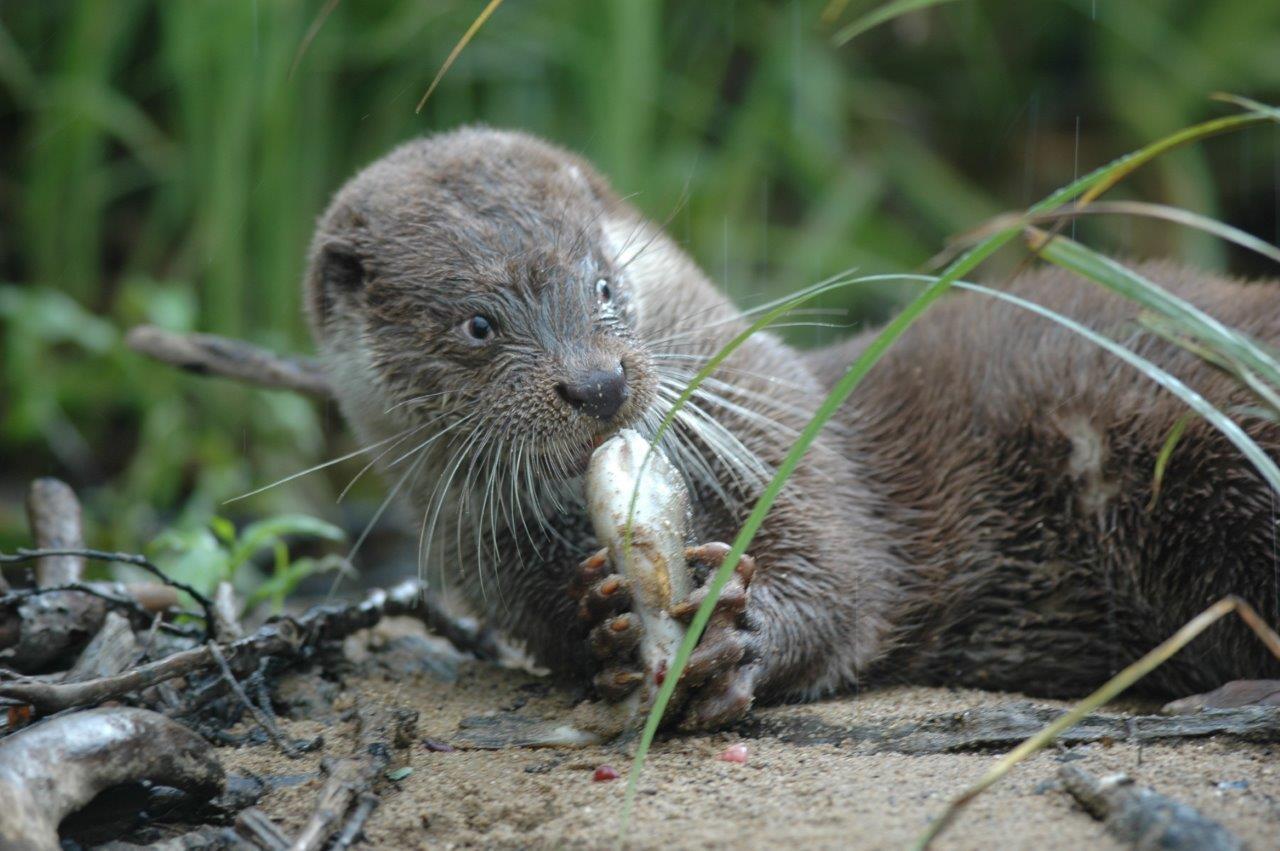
[{"x": 463, "y": 290}]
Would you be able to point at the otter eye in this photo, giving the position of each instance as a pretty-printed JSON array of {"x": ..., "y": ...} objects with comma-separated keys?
[
  {"x": 478, "y": 328},
  {"x": 602, "y": 290}
]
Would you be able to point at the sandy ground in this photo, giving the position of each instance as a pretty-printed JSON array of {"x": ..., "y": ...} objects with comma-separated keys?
[{"x": 811, "y": 796}]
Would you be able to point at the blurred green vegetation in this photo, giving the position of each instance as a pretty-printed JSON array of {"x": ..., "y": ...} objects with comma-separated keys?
[{"x": 164, "y": 160}]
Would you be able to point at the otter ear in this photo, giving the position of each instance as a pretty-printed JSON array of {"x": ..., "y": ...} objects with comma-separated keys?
[
  {"x": 337, "y": 273},
  {"x": 339, "y": 268}
]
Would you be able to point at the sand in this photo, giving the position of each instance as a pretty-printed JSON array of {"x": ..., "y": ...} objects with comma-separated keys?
[{"x": 810, "y": 796}]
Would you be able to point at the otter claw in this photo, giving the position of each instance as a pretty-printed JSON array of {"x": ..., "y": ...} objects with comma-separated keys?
[
  {"x": 708, "y": 557},
  {"x": 590, "y": 571},
  {"x": 613, "y": 684},
  {"x": 722, "y": 700},
  {"x": 609, "y": 595},
  {"x": 615, "y": 637}
]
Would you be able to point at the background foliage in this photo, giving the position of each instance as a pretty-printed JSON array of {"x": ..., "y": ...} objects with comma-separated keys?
[{"x": 164, "y": 160}]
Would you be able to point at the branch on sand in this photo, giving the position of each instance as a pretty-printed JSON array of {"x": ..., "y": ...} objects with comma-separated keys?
[{"x": 287, "y": 637}]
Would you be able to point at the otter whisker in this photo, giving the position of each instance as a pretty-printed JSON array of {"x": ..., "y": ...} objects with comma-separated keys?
[
  {"x": 320, "y": 466},
  {"x": 430, "y": 440},
  {"x": 677, "y": 383},
  {"x": 416, "y": 466},
  {"x": 414, "y": 399},
  {"x": 475, "y": 450},
  {"x": 367, "y": 467},
  {"x": 689, "y": 459},
  {"x": 426, "y": 537}
]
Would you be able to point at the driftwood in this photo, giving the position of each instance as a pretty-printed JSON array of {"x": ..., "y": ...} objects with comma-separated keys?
[
  {"x": 286, "y": 637},
  {"x": 208, "y": 354},
  {"x": 24, "y": 555},
  {"x": 52, "y": 769},
  {"x": 253, "y": 825},
  {"x": 378, "y": 732},
  {"x": 1000, "y": 727},
  {"x": 226, "y": 612},
  {"x": 1143, "y": 818},
  {"x": 53, "y": 514},
  {"x": 39, "y": 626},
  {"x": 112, "y": 650}
]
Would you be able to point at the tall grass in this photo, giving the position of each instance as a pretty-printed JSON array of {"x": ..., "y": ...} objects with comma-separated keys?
[{"x": 170, "y": 158}]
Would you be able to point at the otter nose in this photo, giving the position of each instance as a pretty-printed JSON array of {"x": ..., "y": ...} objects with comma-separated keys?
[{"x": 599, "y": 393}]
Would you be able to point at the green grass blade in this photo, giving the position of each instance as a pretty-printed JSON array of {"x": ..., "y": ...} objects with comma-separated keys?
[
  {"x": 1162, "y": 458},
  {"x": 1185, "y": 316},
  {"x": 479, "y": 22},
  {"x": 1164, "y": 212},
  {"x": 879, "y": 16}
]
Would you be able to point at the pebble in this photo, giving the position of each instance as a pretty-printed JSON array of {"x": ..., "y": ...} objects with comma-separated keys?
[
  {"x": 605, "y": 772},
  {"x": 735, "y": 753}
]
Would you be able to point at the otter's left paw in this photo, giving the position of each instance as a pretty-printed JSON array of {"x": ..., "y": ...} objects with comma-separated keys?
[{"x": 720, "y": 676}]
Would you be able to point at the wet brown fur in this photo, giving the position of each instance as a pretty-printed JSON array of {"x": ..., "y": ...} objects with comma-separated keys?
[{"x": 979, "y": 514}]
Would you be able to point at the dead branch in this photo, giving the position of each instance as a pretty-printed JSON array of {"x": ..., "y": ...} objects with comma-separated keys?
[
  {"x": 53, "y": 513},
  {"x": 208, "y": 354},
  {"x": 351, "y": 831},
  {"x": 256, "y": 712},
  {"x": 140, "y": 561},
  {"x": 112, "y": 650},
  {"x": 378, "y": 731},
  {"x": 226, "y": 608},
  {"x": 254, "y": 826},
  {"x": 40, "y": 625},
  {"x": 999, "y": 727},
  {"x": 1143, "y": 818},
  {"x": 285, "y": 637},
  {"x": 54, "y": 768},
  {"x": 273, "y": 639}
]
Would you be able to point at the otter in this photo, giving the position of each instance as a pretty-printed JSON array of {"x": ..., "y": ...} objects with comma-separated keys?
[{"x": 982, "y": 512}]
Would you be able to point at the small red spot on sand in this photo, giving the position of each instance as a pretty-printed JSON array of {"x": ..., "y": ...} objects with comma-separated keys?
[
  {"x": 605, "y": 772},
  {"x": 735, "y": 753},
  {"x": 660, "y": 675}
]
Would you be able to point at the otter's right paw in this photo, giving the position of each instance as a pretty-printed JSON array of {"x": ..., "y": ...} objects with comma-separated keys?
[{"x": 604, "y": 602}]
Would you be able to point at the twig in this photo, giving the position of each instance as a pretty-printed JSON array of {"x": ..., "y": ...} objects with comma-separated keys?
[
  {"x": 1144, "y": 818},
  {"x": 25, "y": 555},
  {"x": 208, "y": 354},
  {"x": 1109, "y": 690},
  {"x": 258, "y": 715},
  {"x": 377, "y": 732},
  {"x": 112, "y": 650},
  {"x": 276, "y": 638},
  {"x": 53, "y": 769},
  {"x": 355, "y": 825},
  {"x": 225, "y": 608},
  {"x": 53, "y": 512},
  {"x": 254, "y": 826},
  {"x": 282, "y": 637},
  {"x": 141, "y": 600}
]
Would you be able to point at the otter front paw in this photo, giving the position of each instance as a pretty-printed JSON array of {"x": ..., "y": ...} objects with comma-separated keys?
[
  {"x": 717, "y": 685},
  {"x": 721, "y": 672},
  {"x": 604, "y": 602}
]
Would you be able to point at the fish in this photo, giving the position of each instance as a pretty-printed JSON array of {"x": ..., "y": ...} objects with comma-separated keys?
[{"x": 639, "y": 507}]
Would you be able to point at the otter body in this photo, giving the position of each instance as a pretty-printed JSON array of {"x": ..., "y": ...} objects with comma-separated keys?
[{"x": 980, "y": 513}]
